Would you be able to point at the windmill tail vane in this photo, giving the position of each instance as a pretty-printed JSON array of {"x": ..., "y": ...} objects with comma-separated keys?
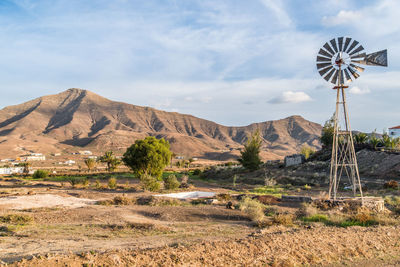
[{"x": 339, "y": 62}]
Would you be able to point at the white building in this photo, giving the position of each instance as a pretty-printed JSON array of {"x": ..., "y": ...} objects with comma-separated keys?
[
  {"x": 85, "y": 152},
  {"x": 394, "y": 132},
  {"x": 32, "y": 157},
  {"x": 12, "y": 170}
]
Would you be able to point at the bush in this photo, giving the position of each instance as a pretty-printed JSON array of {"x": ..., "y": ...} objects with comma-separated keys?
[
  {"x": 184, "y": 181},
  {"x": 307, "y": 151},
  {"x": 159, "y": 201},
  {"x": 149, "y": 183},
  {"x": 40, "y": 174},
  {"x": 224, "y": 197},
  {"x": 197, "y": 172},
  {"x": 74, "y": 181},
  {"x": 112, "y": 183},
  {"x": 16, "y": 219},
  {"x": 307, "y": 210},
  {"x": 170, "y": 182},
  {"x": 283, "y": 219},
  {"x": 118, "y": 200},
  {"x": 391, "y": 185},
  {"x": 316, "y": 218},
  {"x": 253, "y": 208}
]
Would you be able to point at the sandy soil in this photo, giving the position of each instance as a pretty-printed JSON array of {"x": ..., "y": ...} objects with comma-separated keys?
[{"x": 42, "y": 201}]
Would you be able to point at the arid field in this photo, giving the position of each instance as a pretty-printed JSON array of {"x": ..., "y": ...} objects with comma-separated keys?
[{"x": 88, "y": 222}]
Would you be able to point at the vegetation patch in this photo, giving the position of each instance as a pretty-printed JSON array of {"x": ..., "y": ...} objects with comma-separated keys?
[
  {"x": 253, "y": 208},
  {"x": 159, "y": 201},
  {"x": 19, "y": 219},
  {"x": 118, "y": 200}
]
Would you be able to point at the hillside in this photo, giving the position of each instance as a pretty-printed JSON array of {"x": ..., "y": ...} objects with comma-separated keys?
[{"x": 78, "y": 119}]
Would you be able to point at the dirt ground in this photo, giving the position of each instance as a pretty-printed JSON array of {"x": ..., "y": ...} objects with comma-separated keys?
[{"x": 185, "y": 235}]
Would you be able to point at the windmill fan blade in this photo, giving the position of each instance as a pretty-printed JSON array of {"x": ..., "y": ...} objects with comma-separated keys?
[
  {"x": 327, "y": 47},
  {"x": 323, "y": 59},
  {"x": 352, "y": 46},
  {"x": 355, "y": 74},
  {"x": 322, "y": 52},
  {"x": 335, "y": 77},
  {"x": 358, "y": 49},
  {"x": 323, "y": 71},
  {"x": 358, "y": 68},
  {"x": 377, "y": 59},
  {"x": 329, "y": 75},
  {"x": 323, "y": 65},
  {"x": 333, "y": 43},
  {"x": 348, "y": 78},
  {"x": 340, "y": 40},
  {"x": 346, "y": 43},
  {"x": 363, "y": 55}
]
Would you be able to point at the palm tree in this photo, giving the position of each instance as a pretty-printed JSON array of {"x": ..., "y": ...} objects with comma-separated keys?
[
  {"x": 361, "y": 138},
  {"x": 111, "y": 161}
]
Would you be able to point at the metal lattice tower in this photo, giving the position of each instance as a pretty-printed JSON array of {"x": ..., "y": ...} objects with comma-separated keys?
[{"x": 338, "y": 62}]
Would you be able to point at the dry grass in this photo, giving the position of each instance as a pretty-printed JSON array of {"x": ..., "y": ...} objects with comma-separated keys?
[
  {"x": 118, "y": 200},
  {"x": 253, "y": 208},
  {"x": 283, "y": 219}
]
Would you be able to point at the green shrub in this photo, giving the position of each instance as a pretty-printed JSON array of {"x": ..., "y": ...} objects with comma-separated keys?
[
  {"x": 316, "y": 218},
  {"x": 170, "y": 182},
  {"x": 307, "y": 151},
  {"x": 112, "y": 183},
  {"x": 40, "y": 174},
  {"x": 74, "y": 181},
  {"x": 150, "y": 183}
]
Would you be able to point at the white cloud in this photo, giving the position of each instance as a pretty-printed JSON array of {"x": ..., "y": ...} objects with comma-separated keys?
[
  {"x": 355, "y": 90},
  {"x": 291, "y": 97},
  {"x": 277, "y": 7}
]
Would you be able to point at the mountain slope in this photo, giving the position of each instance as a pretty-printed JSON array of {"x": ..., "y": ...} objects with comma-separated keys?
[{"x": 79, "y": 118}]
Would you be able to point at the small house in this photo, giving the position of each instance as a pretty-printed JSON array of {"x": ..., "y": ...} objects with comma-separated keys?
[{"x": 293, "y": 160}]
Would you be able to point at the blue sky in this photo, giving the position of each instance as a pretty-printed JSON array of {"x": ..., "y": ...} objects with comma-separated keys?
[{"x": 234, "y": 62}]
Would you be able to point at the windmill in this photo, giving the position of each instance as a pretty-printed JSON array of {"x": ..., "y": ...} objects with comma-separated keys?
[{"x": 338, "y": 62}]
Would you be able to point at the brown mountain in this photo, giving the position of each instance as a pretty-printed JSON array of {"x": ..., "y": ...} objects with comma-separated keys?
[{"x": 81, "y": 120}]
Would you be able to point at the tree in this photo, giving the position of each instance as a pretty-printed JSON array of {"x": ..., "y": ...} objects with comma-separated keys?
[
  {"x": 373, "y": 140},
  {"x": 307, "y": 151},
  {"x": 111, "y": 161},
  {"x": 148, "y": 156},
  {"x": 26, "y": 166},
  {"x": 250, "y": 156},
  {"x": 361, "y": 138},
  {"x": 90, "y": 163},
  {"x": 328, "y": 131}
]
